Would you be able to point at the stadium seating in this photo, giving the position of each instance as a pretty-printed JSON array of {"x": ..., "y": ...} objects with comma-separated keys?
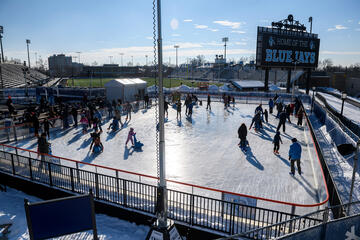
[{"x": 13, "y": 76}]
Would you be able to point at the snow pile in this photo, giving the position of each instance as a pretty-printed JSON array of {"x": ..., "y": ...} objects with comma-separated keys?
[
  {"x": 225, "y": 88},
  {"x": 213, "y": 88},
  {"x": 184, "y": 88},
  {"x": 12, "y": 210},
  {"x": 273, "y": 87}
]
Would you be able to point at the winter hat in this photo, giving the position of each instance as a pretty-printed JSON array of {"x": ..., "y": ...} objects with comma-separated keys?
[
  {"x": 294, "y": 140},
  {"x": 131, "y": 129}
]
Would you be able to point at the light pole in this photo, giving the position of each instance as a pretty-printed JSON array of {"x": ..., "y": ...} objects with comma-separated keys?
[
  {"x": 310, "y": 21},
  {"x": 79, "y": 55},
  {"x": 176, "y": 48},
  {"x": 110, "y": 57},
  {"x": 27, "y": 44},
  {"x": 293, "y": 83},
  {"x": 146, "y": 56},
  {"x": 132, "y": 60},
  {"x": 2, "y": 51},
  {"x": 121, "y": 54},
  {"x": 313, "y": 98},
  {"x": 225, "y": 39},
  {"x": 343, "y": 98}
]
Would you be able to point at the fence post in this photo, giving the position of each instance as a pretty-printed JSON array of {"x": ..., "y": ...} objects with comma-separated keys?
[
  {"x": 30, "y": 169},
  {"x": 72, "y": 179},
  {"x": 231, "y": 224},
  {"x": 124, "y": 193},
  {"x": 50, "y": 176},
  {"x": 117, "y": 183},
  {"x": 97, "y": 185},
  {"x": 15, "y": 136},
  {"x": 326, "y": 215},
  {"x": 192, "y": 209},
  {"x": 77, "y": 171},
  {"x": 12, "y": 164}
]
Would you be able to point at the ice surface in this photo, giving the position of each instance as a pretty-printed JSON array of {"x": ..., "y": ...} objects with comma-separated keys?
[
  {"x": 12, "y": 208},
  {"x": 204, "y": 151}
]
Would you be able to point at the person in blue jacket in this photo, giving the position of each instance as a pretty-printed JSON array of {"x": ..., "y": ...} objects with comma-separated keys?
[
  {"x": 271, "y": 105},
  {"x": 295, "y": 156}
]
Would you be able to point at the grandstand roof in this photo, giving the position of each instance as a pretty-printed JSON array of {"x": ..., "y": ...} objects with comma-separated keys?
[{"x": 248, "y": 84}]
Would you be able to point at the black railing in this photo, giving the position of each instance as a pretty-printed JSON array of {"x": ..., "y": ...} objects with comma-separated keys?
[{"x": 194, "y": 210}]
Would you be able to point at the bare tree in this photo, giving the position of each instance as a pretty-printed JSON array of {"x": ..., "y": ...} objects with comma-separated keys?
[{"x": 327, "y": 63}]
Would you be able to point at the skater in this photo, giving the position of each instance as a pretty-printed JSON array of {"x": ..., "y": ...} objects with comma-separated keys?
[
  {"x": 97, "y": 124},
  {"x": 277, "y": 140},
  {"x": 43, "y": 149},
  {"x": 186, "y": 104},
  {"x": 295, "y": 156},
  {"x": 110, "y": 110},
  {"x": 84, "y": 122},
  {"x": 208, "y": 102},
  {"x": 271, "y": 105},
  {"x": 114, "y": 125},
  {"x": 191, "y": 104},
  {"x": 300, "y": 115},
  {"x": 257, "y": 120},
  {"x": 74, "y": 113},
  {"x": 288, "y": 112},
  {"x": 36, "y": 124},
  {"x": 242, "y": 132},
  {"x": 128, "y": 108},
  {"x": 166, "y": 107},
  {"x": 178, "y": 110},
  {"x": 233, "y": 101},
  {"x": 146, "y": 100},
  {"x": 130, "y": 137},
  {"x": 228, "y": 100},
  {"x": 282, "y": 121},
  {"x": 118, "y": 116},
  {"x": 10, "y": 105},
  {"x": 266, "y": 114},
  {"x": 47, "y": 124},
  {"x": 94, "y": 135},
  {"x": 98, "y": 146},
  {"x": 279, "y": 108}
]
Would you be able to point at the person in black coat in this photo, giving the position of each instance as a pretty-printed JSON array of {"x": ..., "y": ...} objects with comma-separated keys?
[
  {"x": 288, "y": 112},
  {"x": 266, "y": 114},
  {"x": 276, "y": 141},
  {"x": 242, "y": 132},
  {"x": 282, "y": 120},
  {"x": 208, "y": 102},
  {"x": 43, "y": 148},
  {"x": 74, "y": 113},
  {"x": 146, "y": 100},
  {"x": 47, "y": 124},
  {"x": 36, "y": 124}
]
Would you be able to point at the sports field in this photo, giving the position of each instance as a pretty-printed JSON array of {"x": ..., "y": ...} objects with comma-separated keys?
[{"x": 99, "y": 82}]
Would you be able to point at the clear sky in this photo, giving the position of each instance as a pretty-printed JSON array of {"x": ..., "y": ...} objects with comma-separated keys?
[{"x": 99, "y": 29}]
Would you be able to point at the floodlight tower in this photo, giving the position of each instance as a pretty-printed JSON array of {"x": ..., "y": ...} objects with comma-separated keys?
[
  {"x": 27, "y": 44},
  {"x": 310, "y": 21},
  {"x": 79, "y": 55},
  {"x": 121, "y": 54},
  {"x": 176, "y": 47},
  {"x": 2, "y": 51},
  {"x": 225, "y": 39},
  {"x": 146, "y": 56}
]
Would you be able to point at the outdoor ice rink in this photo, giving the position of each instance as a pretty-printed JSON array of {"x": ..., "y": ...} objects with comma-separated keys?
[{"x": 204, "y": 151}]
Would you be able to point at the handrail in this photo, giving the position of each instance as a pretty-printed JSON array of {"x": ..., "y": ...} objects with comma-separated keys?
[{"x": 188, "y": 184}]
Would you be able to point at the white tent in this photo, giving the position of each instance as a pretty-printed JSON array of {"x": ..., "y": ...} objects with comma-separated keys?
[{"x": 126, "y": 89}]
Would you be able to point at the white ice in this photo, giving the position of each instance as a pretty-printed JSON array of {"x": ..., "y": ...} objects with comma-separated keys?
[
  {"x": 204, "y": 151},
  {"x": 12, "y": 211}
]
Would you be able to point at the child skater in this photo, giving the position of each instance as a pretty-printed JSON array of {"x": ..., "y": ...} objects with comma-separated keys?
[
  {"x": 84, "y": 122},
  {"x": 277, "y": 140},
  {"x": 98, "y": 146},
  {"x": 130, "y": 136},
  {"x": 178, "y": 110},
  {"x": 114, "y": 125}
]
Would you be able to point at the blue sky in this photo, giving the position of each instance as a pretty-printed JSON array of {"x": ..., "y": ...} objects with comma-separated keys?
[{"x": 99, "y": 29}]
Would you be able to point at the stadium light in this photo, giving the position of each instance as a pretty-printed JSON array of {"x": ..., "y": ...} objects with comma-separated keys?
[
  {"x": 132, "y": 60},
  {"x": 2, "y": 51},
  {"x": 176, "y": 48},
  {"x": 313, "y": 98},
  {"x": 343, "y": 98},
  {"x": 27, "y": 44},
  {"x": 121, "y": 54},
  {"x": 310, "y": 21},
  {"x": 225, "y": 39},
  {"x": 293, "y": 83},
  {"x": 146, "y": 56}
]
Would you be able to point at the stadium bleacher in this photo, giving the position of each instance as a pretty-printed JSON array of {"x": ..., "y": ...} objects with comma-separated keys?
[{"x": 13, "y": 76}]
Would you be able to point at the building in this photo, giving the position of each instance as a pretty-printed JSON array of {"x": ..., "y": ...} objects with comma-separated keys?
[
  {"x": 126, "y": 89},
  {"x": 63, "y": 66}
]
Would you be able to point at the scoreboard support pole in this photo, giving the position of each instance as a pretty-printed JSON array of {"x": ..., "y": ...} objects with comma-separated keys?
[
  {"x": 288, "y": 81},
  {"x": 308, "y": 78},
  {"x": 266, "y": 87}
]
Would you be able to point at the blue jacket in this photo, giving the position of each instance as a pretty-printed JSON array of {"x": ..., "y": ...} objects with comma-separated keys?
[
  {"x": 295, "y": 151},
  {"x": 271, "y": 103}
]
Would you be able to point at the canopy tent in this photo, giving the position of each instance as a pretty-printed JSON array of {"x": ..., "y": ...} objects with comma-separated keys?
[{"x": 126, "y": 89}]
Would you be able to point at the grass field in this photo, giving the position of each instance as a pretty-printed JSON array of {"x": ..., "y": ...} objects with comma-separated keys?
[{"x": 99, "y": 82}]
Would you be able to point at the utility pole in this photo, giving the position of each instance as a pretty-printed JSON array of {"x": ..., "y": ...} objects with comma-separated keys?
[{"x": 27, "y": 44}]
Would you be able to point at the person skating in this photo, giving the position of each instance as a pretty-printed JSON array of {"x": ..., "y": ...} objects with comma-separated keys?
[
  {"x": 288, "y": 112},
  {"x": 97, "y": 124},
  {"x": 130, "y": 137},
  {"x": 190, "y": 111},
  {"x": 277, "y": 140},
  {"x": 128, "y": 108},
  {"x": 279, "y": 108},
  {"x": 114, "y": 125},
  {"x": 98, "y": 146},
  {"x": 271, "y": 105},
  {"x": 266, "y": 114},
  {"x": 208, "y": 105},
  {"x": 146, "y": 100},
  {"x": 74, "y": 113},
  {"x": 118, "y": 116},
  {"x": 178, "y": 110},
  {"x": 282, "y": 121},
  {"x": 186, "y": 104},
  {"x": 242, "y": 132},
  {"x": 166, "y": 107},
  {"x": 94, "y": 136},
  {"x": 47, "y": 124},
  {"x": 300, "y": 115},
  {"x": 257, "y": 120},
  {"x": 84, "y": 122},
  {"x": 43, "y": 149},
  {"x": 295, "y": 156},
  {"x": 36, "y": 124}
]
